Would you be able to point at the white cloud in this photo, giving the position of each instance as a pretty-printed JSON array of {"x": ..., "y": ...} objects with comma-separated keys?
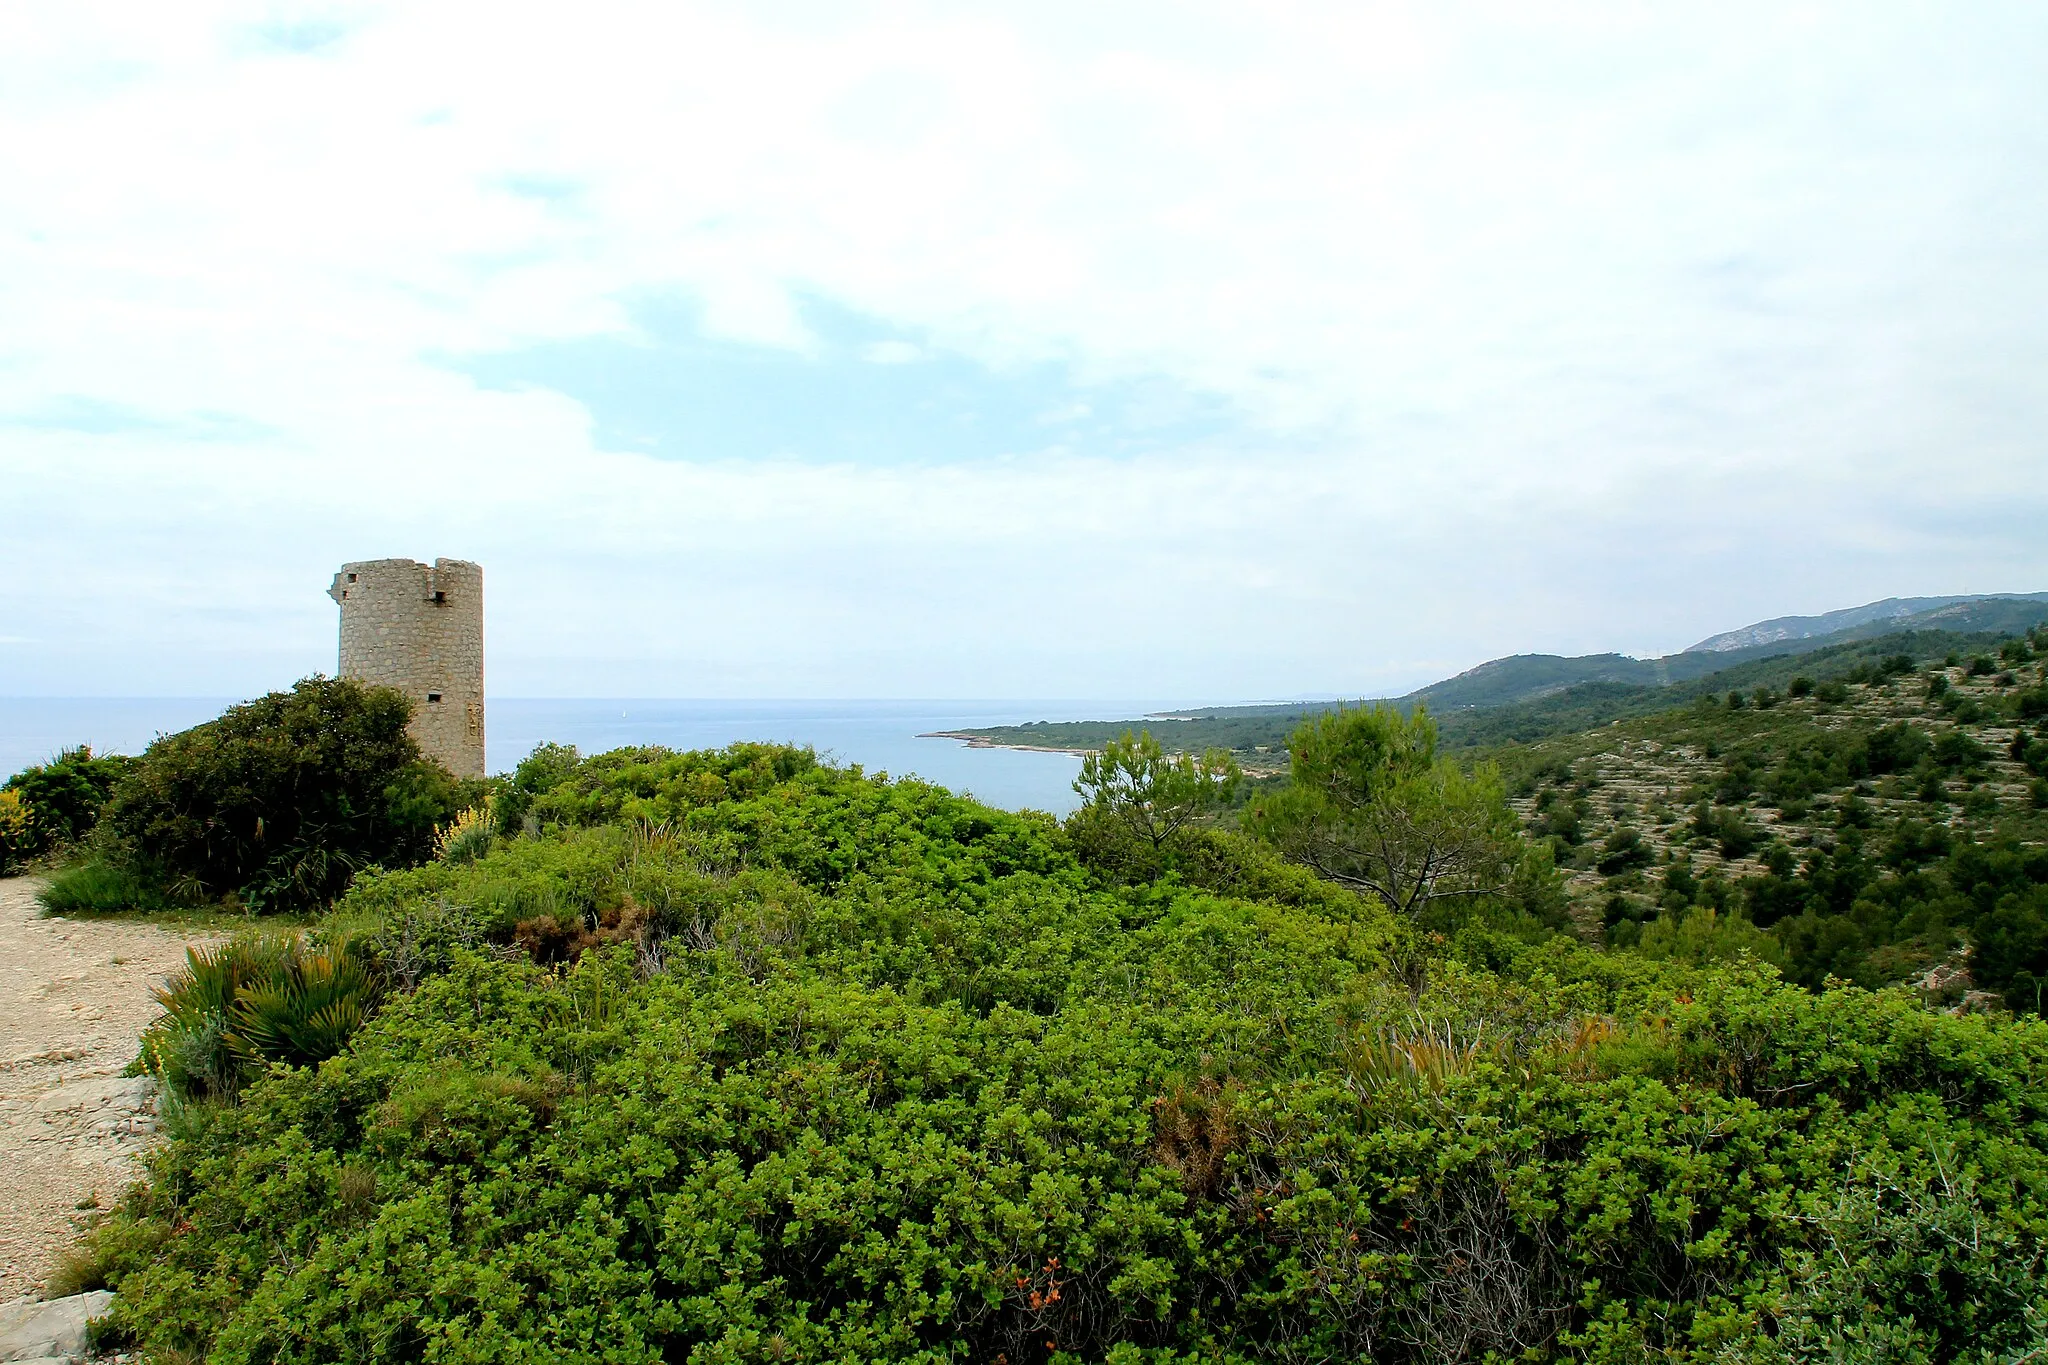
[
  {"x": 892, "y": 353},
  {"x": 1622, "y": 325}
]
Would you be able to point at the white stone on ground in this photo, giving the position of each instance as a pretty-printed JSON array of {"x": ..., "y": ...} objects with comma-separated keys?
[{"x": 54, "y": 1330}]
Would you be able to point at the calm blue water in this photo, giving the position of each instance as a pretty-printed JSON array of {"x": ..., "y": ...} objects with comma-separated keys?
[{"x": 881, "y": 736}]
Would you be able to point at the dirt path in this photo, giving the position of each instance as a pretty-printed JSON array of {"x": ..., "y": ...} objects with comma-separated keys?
[{"x": 74, "y": 999}]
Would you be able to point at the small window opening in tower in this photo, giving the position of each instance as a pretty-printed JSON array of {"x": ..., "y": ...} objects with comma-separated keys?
[
  {"x": 351, "y": 578},
  {"x": 441, "y": 599},
  {"x": 433, "y": 696}
]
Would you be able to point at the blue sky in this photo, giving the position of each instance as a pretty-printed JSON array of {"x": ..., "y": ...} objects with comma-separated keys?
[
  {"x": 858, "y": 390},
  {"x": 1195, "y": 350}
]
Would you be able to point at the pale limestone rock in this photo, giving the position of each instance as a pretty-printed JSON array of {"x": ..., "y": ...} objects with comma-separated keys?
[{"x": 52, "y": 1329}]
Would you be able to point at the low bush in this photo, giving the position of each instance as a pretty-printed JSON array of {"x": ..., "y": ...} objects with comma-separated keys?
[
  {"x": 554, "y": 786},
  {"x": 1729, "y": 830},
  {"x": 97, "y": 886},
  {"x": 253, "y": 1001},
  {"x": 64, "y": 797},
  {"x": 1958, "y": 752},
  {"x": 468, "y": 836},
  {"x": 1703, "y": 935},
  {"x": 831, "y": 1068},
  {"x": 283, "y": 799},
  {"x": 1565, "y": 1159},
  {"x": 1623, "y": 850}
]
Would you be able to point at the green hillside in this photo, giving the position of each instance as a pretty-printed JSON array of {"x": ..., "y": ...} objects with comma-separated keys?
[
  {"x": 1888, "y": 822},
  {"x": 1589, "y": 705},
  {"x": 1258, "y": 734},
  {"x": 1528, "y": 677},
  {"x": 1872, "y": 809}
]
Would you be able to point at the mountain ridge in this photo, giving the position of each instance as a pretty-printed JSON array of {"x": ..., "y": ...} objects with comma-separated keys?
[
  {"x": 1889, "y": 610},
  {"x": 1527, "y": 677},
  {"x": 1522, "y": 697}
]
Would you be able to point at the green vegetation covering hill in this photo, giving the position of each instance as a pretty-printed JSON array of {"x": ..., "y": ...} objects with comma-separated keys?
[
  {"x": 1527, "y": 697},
  {"x": 1874, "y": 810},
  {"x": 1528, "y": 677},
  {"x": 732, "y": 1056},
  {"x": 1591, "y": 705},
  {"x": 1876, "y": 827}
]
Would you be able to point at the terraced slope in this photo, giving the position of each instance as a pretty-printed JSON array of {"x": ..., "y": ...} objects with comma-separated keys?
[{"x": 1858, "y": 824}]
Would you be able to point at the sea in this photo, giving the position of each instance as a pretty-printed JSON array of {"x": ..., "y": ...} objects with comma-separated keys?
[{"x": 881, "y": 736}]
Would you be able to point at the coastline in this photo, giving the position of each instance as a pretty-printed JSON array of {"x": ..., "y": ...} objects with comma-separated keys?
[
  {"x": 1262, "y": 766},
  {"x": 977, "y": 741}
]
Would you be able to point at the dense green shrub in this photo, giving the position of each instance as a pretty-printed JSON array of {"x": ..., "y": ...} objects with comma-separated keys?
[
  {"x": 1705, "y": 935},
  {"x": 1895, "y": 748},
  {"x": 64, "y": 797},
  {"x": 554, "y": 786},
  {"x": 1622, "y": 850},
  {"x": 1563, "y": 1160},
  {"x": 281, "y": 800},
  {"x": 1730, "y": 831},
  {"x": 821, "y": 1067},
  {"x": 540, "y": 772},
  {"x": 1958, "y": 752}
]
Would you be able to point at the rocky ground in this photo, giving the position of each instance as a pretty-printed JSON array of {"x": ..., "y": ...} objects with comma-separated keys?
[{"x": 76, "y": 998}]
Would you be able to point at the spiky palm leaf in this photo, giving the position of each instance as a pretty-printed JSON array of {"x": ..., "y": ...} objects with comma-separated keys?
[
  {"x": 307, "y": 1012},
  {"x": 255, "y": 1000},
  {"x": 190, "y": 1046}
]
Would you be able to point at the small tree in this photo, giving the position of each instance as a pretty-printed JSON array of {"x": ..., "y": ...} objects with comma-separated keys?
[
  {"x": 1135, "y": 781},
  {"x": 281, "y": 799},
  {"x": 1373, "y": 807},
  {"x": 64, "y": 797}
]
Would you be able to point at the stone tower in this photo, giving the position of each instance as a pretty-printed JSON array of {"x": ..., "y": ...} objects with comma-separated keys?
[{"x": 420, "y": 629}]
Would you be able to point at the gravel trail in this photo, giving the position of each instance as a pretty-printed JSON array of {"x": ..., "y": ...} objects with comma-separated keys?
[{"x": 74, "y": 999}]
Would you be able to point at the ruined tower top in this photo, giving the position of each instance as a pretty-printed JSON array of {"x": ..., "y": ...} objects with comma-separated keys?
[{"x": 420, "y": 628}]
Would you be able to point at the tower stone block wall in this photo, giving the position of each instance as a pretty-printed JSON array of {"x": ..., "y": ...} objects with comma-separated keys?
[{"x": 420, "y": 628}]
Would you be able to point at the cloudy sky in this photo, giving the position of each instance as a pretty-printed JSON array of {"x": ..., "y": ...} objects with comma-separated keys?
[{"x": 1211, "y": 351}]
